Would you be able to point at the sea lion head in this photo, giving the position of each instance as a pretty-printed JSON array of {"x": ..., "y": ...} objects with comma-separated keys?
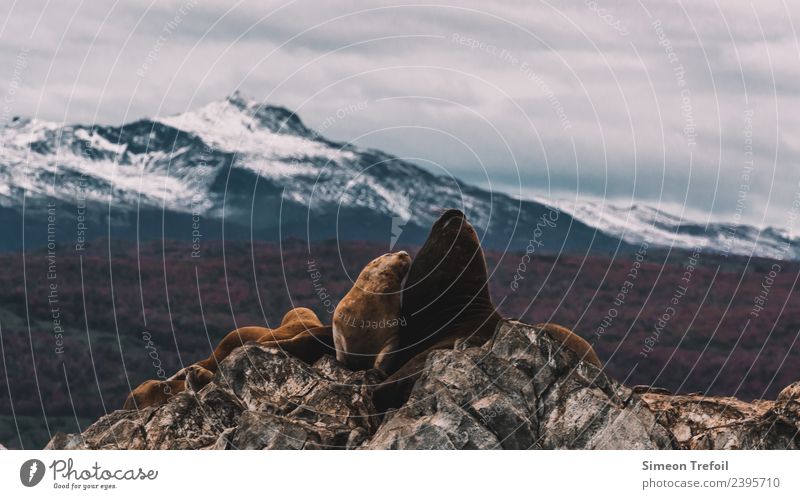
[
  {"x": 197, "y": 377},
  {"x": 384, "y": 274}
]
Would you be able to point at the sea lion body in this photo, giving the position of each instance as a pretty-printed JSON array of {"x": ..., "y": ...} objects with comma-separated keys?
[
  {"x": 308, "y": 346},
  {"x": 446, "y": 294},
  {"x": 367, "y": 320},
  {"x": 572, "y": 341},
  {"x": 293, "y": 323},
  {"x": 300, "y": 334},
  {"x": 445, "y": 299}
]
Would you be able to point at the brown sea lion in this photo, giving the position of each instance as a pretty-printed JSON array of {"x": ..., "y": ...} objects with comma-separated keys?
[
  {"x": 367, "y": 320},
  {"x": 308, "y": 345},
  {"x": 445, "y": 299},
  {"x": 153, "y": 392},
  {"x": 293, "y": 323},
  {"x": 572, "y": 341},
  {"x": 300, "y": 334}
]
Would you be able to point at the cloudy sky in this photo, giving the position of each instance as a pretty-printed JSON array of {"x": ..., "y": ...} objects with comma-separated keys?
[{"x": 692, "y": 106}]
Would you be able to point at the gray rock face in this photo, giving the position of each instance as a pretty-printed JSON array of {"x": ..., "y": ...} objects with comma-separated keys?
[
  {"x": 699, "y": 422},
  {"x": 522, "y": 390}
]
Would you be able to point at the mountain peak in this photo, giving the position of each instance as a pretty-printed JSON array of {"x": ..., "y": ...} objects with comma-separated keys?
[
  {"x": 239, "y": 98},
  {"x": 277, "y": 119}
]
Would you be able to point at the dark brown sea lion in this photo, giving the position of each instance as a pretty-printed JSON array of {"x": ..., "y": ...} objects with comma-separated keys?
[
  {"x": 445, "y": 299},
  {"x": 367, "y": 320}
]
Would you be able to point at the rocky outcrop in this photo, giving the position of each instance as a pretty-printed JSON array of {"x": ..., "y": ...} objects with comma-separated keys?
[
  {"x": 699, "y": 422},
  {"x": 521, "y": 390}
]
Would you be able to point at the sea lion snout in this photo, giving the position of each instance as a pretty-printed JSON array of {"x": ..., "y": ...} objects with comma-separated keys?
[{"x": 403, "y": 264}]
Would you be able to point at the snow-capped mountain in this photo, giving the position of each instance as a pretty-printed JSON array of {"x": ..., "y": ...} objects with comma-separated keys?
[
  {"x": 237, "y": 169},
  {"x": 636, "y": 223}
]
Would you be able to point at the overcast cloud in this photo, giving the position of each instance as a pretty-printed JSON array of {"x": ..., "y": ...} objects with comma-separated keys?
[{"x": 623, "y": 100}]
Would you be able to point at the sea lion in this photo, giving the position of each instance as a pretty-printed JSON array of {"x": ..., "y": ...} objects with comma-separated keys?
[
  {"x": 293, "y": 323},
  {"x": 445, "y": 299},
  {"x": 572, "y": 341},
  {"x": 300, "y": 334},
  {"x": 308, "y": 346},
  {"x": 366, "y": 321},
  {"x": 153, "y": 392}
]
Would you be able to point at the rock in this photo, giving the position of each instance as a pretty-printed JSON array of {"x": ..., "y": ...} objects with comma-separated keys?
[
  {"x": 522, "y": 390},
  {"x": 640, "y": 389},
  {"x": 700, "y": 422},
  {"x": 790, "y": 393},
  {"x": 67, "y": 441}
]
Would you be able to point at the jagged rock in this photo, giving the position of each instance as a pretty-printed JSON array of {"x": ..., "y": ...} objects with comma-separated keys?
[
  {"x": 700, "y": 422},
  {"x": 258, "y": 399},
  {"x": 66, "y": 441},
  {"x": 522, "y": 390}
]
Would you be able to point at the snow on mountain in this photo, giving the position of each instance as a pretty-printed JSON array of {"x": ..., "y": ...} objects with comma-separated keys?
[
  {"x": 249, "y": 128},
  {"x": 247, "y": 160},
  {"x": 638, "y": 222},
  {"x": 47, "y": 160}
]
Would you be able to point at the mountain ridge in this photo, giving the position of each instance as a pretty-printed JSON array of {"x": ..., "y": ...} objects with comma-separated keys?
[{"x": 254, "y": 170}]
